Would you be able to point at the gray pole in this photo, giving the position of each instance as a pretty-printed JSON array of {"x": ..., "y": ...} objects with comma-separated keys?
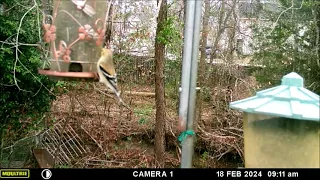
[
  {"x": 189, "y": 75},
  {"x": 186, "y": 63}
]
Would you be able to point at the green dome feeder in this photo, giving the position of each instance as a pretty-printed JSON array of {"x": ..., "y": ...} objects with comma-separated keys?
[{"x": 281, "y": 126}]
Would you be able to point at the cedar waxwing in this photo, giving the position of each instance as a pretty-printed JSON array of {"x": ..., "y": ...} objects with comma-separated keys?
[{"x": 106, "y": 71}]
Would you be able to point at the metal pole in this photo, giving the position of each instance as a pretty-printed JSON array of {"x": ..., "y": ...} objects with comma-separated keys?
[
  {"x": 186, "y": 57},
  {"x": 187, "y": 145}
]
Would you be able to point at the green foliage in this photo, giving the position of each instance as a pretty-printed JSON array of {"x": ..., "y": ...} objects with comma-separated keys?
[
  {"x": 63, "y": 166},
  {"x": 170, "y": 34},
  {"x": 23, "y": 98},
  {"x": 143, "y": 113},
  {"x": 288, "y": 46},
  {"x": 172, "y": 71}
]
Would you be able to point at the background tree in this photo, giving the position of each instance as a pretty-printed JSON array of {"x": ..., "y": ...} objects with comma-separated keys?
[
  {"x": 24, "y": 94},
  {"x": 203, "y": 55},
  {"x": 159, "y": 86},
  {"x": 288, "y": 40},
  {"x": 23, "y": 91},
  {"x": 148, "y": 58}
]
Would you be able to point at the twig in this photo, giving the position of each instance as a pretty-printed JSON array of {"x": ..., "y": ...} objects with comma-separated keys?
[
  {"x": 38, "y": 23},
  {"x": 317, "y": 33},
  {"x": 36, "y": 78},
  {"x": 81, "y": 105},
  {"x": 158, "y": 9},
  {"x": 178, "y": 149},
  {"x": 152, "y": 94},
  {"x": 126, "y": 106},
  {"x": 234, "y": 128},
  {"x": 98, "y": 144},
  {"x": 8, "y": 85},
  {"x": 232, "y": 133},
  {"x": 210, "y": 134},
  {"x": 97, "y": 89},
  {"x": 105, "y": 161},
  {"x": 16, "y": 142},
  {"x": 20, "y": 44},
  {"x": 66, "y": 121},
  {"x": 17, "y": 42},
  {"x": 221, "y": 155},
  {"x": 106, "y": 19},
  {"x": 119, "y": 98},
  {"x": 277, "y": 20}
]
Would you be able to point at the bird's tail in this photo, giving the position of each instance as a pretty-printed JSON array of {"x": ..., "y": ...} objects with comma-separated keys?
[
  {"x": 119, "y": 98},
  {"x": 121, "y": 101}
]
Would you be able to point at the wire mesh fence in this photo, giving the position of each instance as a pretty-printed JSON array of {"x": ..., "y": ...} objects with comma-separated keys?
[
  {"x": 62, "y": 144},
  {"x": 17, "y": 154}
]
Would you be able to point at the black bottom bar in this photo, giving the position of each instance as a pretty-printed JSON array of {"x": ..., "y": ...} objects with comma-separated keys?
[{"x": 93, "y": 174}]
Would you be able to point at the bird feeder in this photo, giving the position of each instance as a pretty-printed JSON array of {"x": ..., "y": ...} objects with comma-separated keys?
[
  {"x": 75, "y": 32},
  {"x": 281, "y": 126}
]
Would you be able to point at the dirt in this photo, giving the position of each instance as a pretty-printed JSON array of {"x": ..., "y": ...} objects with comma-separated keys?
[{"x": 116, "y": 137}]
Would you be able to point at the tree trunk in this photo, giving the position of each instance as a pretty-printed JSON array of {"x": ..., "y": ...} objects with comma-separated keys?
[
  {"x": 202, "y": 64},
  {"x": 231, "y": 37},
  {"x": 160, "y": 92},
  {"x": 219, "y": 32},
  {"x": 222, "y": 25},
  {"x": 109, "y": 25},
  {"x": 184, "y": 10},
  {"x": 317, "y": 20}
]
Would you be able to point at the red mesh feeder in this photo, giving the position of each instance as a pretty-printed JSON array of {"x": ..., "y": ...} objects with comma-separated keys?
[{"x": 75, "y": 33}]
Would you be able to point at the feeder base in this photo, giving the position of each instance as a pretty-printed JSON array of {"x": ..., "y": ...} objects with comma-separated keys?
[{"x": 69, "y": 76}]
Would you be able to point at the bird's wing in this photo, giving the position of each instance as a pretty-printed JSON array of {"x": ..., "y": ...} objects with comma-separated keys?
[
  {"x": 107, "y": 67},
  {"x": 106, "y": 73},
  {"x": 109, "y": 77}
]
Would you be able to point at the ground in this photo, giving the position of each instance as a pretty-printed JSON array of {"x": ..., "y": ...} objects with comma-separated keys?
[
  {"x": 93, "y": 131},
  {"x": 115, "y": 137}
]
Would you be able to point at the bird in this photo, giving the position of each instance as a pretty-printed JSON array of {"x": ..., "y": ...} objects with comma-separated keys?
[{"x": 107, "y": 73}]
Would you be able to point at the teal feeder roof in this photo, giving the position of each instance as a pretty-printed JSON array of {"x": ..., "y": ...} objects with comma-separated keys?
[{"x": 290, "y": 100}]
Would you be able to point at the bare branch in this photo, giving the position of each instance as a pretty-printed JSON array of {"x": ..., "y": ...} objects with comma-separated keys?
[
  {"x": 19, "y": 44},
  {"x": 291, "y": 7},
  {"x": 16, "y": 45},
  {"x": 158, "y": 8},
  {"x": 315, "y": 13}
]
